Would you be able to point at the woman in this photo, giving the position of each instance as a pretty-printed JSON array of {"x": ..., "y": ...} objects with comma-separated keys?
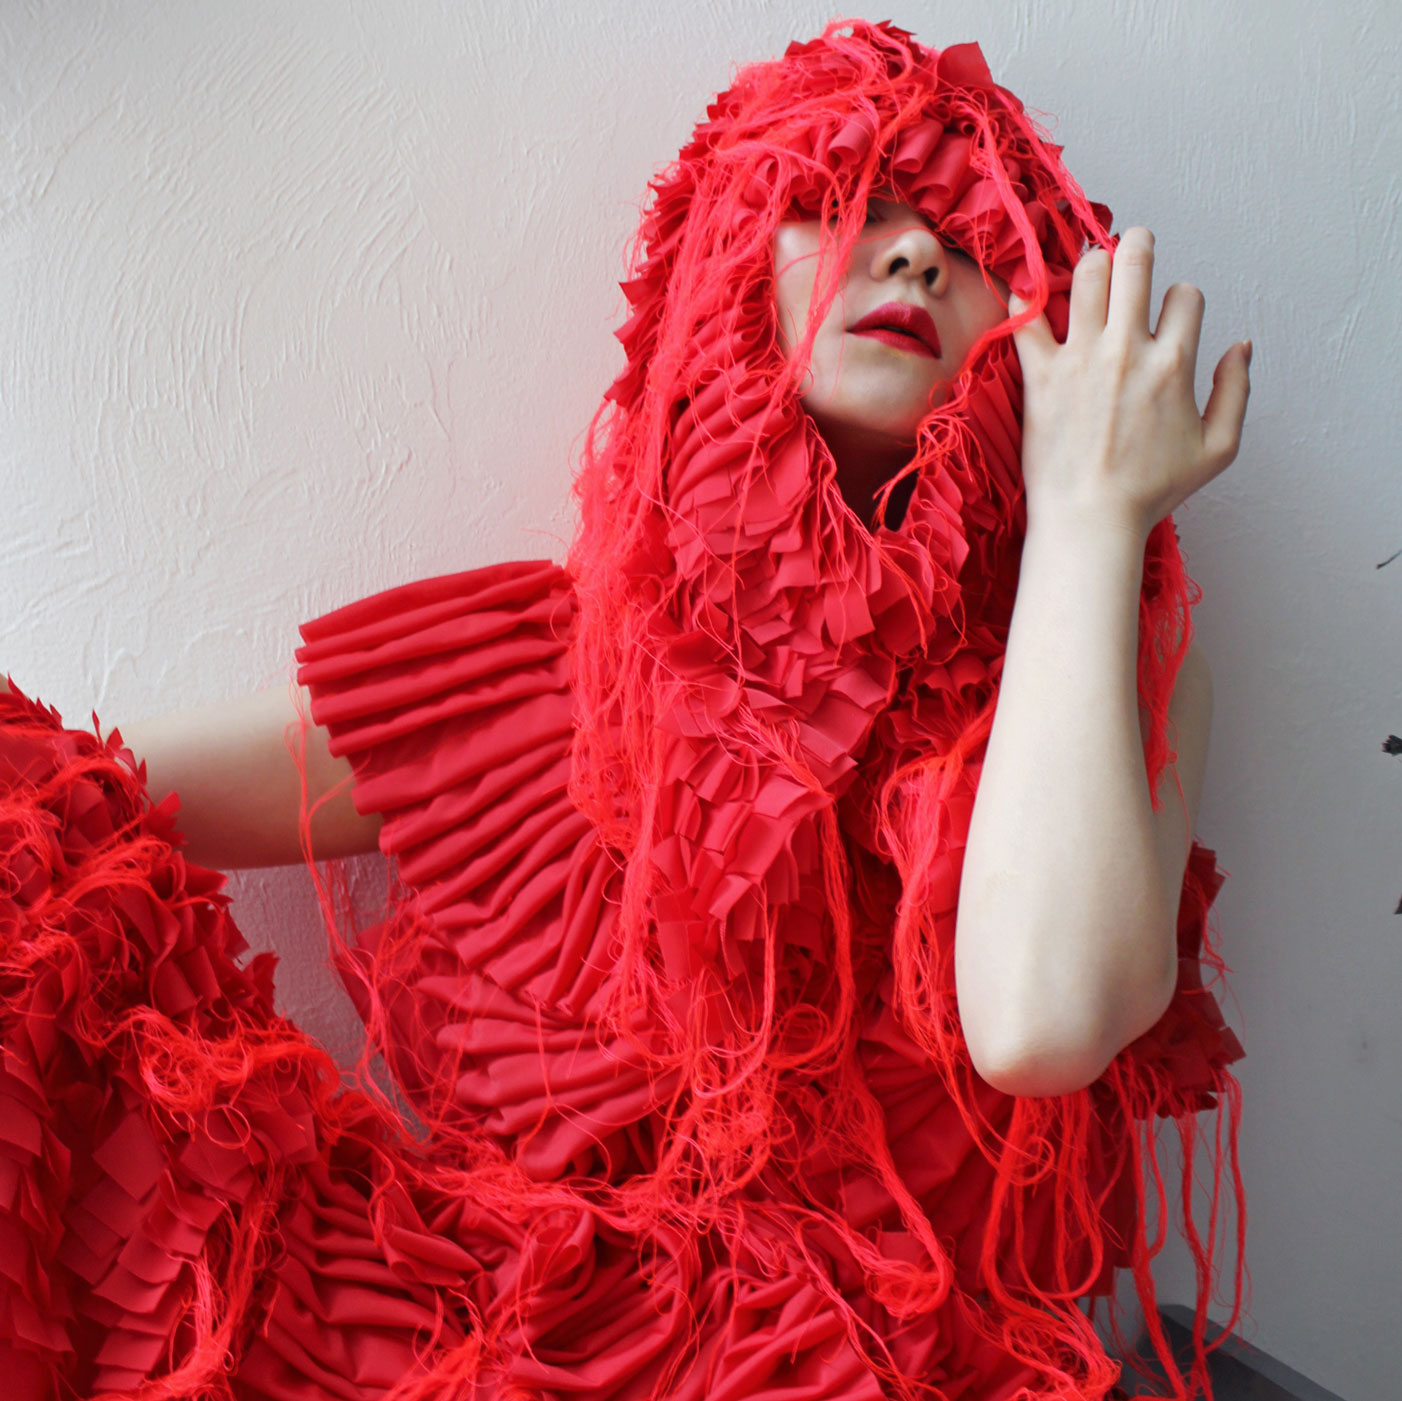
[{"x": 717, "y": 1104}]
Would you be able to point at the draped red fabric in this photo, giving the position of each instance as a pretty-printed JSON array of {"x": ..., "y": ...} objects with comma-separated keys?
[{"x": 667, "y": 982}]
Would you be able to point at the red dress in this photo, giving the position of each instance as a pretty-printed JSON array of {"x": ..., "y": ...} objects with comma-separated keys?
[
  {"x": 191, "y": 1204},
  {"x": 697, "y": 1116}
]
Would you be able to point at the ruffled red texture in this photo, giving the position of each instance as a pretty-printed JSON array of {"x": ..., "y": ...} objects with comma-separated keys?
[
  {"x": 193, "y": 1205},
  {"x": 162, "y": 1131},
  {"x": 384, "y": 671},
  {"x": 222, "y": 1219},
  {"x": 451, "y": 698}
]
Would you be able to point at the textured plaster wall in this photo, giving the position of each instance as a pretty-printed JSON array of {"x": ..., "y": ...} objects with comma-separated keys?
[{"x": 303, "y": 301}]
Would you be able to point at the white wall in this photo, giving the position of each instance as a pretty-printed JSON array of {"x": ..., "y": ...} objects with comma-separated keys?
[{"x": 301, "y": 301}]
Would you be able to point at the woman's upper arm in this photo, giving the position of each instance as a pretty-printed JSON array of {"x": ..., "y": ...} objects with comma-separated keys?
[
  {"x": 233, "y": 767},
  {"x": 1189, "y": 725}
]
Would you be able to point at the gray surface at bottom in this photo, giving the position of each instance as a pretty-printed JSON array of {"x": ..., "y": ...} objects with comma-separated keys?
[{"x": 1239, "y": 1371}]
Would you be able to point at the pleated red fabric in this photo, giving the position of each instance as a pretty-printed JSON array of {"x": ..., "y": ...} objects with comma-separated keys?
[
  {"x": 495, "y": 1009},
  {"x": 676, "y": 831}
]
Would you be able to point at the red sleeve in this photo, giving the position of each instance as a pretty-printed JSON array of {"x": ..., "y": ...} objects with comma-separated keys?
[
  {"x": 426, "y": 686},
  {"x": 451, "y": 698}
]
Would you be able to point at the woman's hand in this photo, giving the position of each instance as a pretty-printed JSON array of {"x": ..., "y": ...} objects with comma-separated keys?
[{"x": 1111, "y": 426}]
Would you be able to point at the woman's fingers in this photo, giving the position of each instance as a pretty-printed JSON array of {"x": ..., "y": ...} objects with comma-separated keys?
[
  {"x": 1090, "y": 294},
  {"x": 1180, "y": 322},
  {"x": 1226, "y": 405},
  {"x": 1036, "y": 337},
  {"x": 1131, "y": 279}
]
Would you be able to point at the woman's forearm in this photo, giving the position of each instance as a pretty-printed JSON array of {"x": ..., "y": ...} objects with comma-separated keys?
[
  {"x": 1062, "y": 936},
  {"x": 240, "y": 788}
]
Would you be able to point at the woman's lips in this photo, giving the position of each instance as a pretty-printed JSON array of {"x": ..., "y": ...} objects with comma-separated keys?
[
  {"x": 898, "y": 340},
  {"x": 902, "y": 327}
]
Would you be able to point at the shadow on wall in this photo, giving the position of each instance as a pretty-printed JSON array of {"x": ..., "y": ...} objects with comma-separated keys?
[{"x": 1392, "y": 744}]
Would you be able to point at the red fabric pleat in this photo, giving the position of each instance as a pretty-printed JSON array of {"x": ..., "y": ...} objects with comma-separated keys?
[
  {"x": 451, "y": 699},
  {"x": 523, "y": 1058}
]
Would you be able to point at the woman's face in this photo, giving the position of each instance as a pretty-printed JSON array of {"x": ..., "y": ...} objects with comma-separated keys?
[{"x": 895, "y": 337}]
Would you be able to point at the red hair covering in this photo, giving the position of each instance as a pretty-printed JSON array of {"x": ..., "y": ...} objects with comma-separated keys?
[{"x": 779, "y": 707}]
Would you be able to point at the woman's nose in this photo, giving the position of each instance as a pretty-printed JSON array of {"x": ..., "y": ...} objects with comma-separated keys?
[{"x": 912, "y": 251}]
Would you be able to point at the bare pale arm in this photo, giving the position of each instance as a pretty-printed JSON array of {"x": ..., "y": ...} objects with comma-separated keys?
[
  {"x": 1065, "y": 946},
  {"x": 239, "y": 785}
]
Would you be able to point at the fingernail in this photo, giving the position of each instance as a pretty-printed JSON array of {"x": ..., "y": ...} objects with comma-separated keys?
[{"x": 1248, "y": 346}]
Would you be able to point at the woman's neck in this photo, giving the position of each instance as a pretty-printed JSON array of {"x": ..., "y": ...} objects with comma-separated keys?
[{"x": 862, "y": 472}]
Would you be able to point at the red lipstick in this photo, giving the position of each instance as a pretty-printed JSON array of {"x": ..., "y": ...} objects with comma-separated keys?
[{"x": 902, "y": 326}]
